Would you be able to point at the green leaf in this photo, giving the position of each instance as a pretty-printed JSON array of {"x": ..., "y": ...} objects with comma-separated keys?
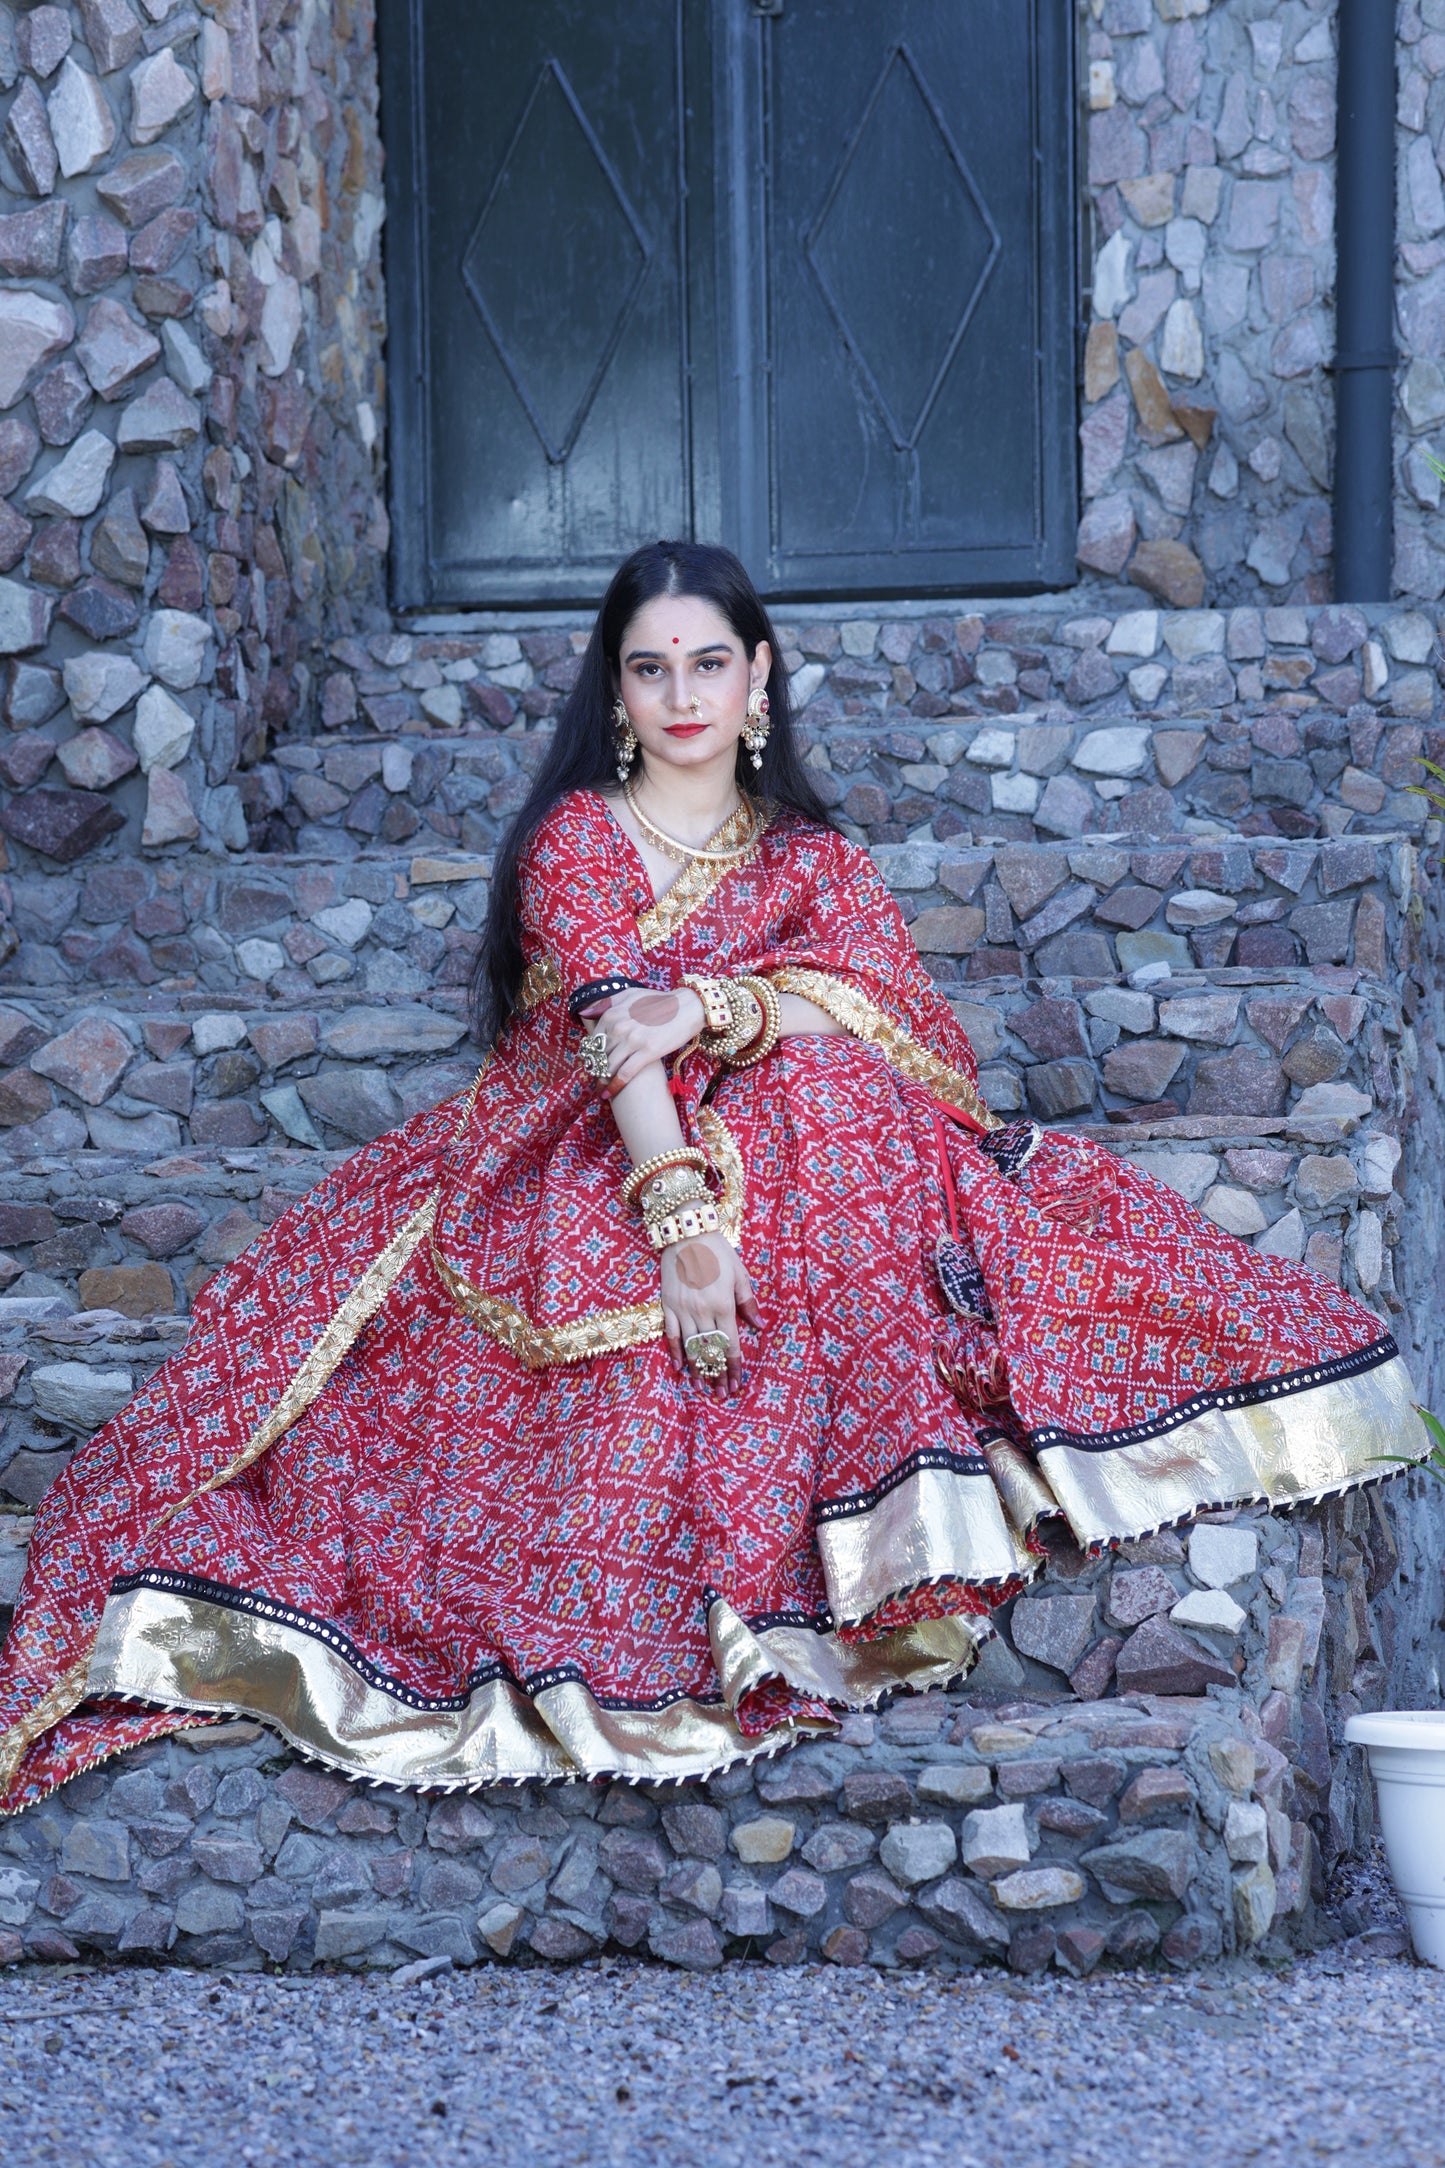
[{"x": 1434, "y": 1462}]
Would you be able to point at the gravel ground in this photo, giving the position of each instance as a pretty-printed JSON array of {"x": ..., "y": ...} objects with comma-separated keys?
[{"x": 625, "y": 2062}]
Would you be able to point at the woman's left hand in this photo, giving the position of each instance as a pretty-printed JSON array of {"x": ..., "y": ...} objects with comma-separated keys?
[{"x": 644, "y": 1025}]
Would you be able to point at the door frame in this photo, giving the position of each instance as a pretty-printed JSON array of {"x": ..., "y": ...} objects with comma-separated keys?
[{"x": 731, "y": 426}]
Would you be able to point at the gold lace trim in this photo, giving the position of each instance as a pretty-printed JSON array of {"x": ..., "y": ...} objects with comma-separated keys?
[
  {"x": 866, "y": 1021},
  {"x": 336, "y": 1341},
  {"x": 1292, "y": 1451},
  {"x": 660, "y": 921},
  {"x": 597, "y": 1332},
  {"x": 187, "y": 1652}
]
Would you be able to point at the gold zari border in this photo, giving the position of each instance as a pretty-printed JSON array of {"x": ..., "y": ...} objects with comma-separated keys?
[
  {"x": 866, "y": 1021},
  {"x": 188, "y": 1652},
  {"x": 315, "y": 1372},
  {"x": 935, "y": 1525},
  {"x": 596, "y": 1332},
  {"x": 1289, "y": 1451}
]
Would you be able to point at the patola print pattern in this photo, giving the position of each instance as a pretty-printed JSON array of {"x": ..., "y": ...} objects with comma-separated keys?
[{"x": 424, "y": 1492}]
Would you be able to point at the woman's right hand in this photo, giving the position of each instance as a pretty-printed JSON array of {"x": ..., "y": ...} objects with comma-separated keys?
[
  {"x": 644, "y": 1025},
  {"x": 705, "y": 1288}
]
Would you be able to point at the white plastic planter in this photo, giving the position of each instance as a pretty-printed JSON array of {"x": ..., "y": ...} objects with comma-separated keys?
[{"x": 1407, "y": 1760}]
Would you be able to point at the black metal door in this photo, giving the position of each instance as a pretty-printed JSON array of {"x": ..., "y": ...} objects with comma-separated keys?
[
  {"x": 920, "y": 312},
  {"x": 798, "y": 275},
  {"x": 537, "y": 274}
]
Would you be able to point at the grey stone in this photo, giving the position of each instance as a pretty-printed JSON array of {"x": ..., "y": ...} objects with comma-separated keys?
[
  {"x": 695, "y": 1831},
  {"x": 692, "y": 1944},
  {"x": 1137, "y": 1593},
  {"x": 995, "y": 1841},
  {"x": 1159, "y": 1863},
  {"x": 204, "y": 1909},
  {"x": 1054, "y": 1630},
  {"x": 29, "y": 143},
  {"x": 114, "y": 349},
  {"x": 62, "y": 399},
  {"x": 42, "y": 40},
  {"x": 160, "y": 91},
  {"x": 917, "y": 1852},
  {"x": 112, "y": 31},
  {"x": 746, "y": 1911},
  {"x": 960, "y": 1910},
  {"x": 359, "y": 1034},
  {"x": 871, "y": 1898},
  {"x": 360, "y": 1103},
  {"x": 76, "y": 484},
  {"x": 344, "y": 1934},
  {"x": 80, "y": 1396},
  {"x": 175, "y": 647},
  {"x": 1241, "y": 1082},
  {"x": 33, "y": 330},
  {"x": 1039, "y": 1889},
  {"x": 798, "y": 1892},
  {"x": 446, "y": 1885},
  {"x": 30, "y": 241},
  {"x": 836, "y": 1845},
  {"x": 1059, "y": 1088},
  {"x": 159, "y": 419},
  {"x": 24, "y": 618},
  {"x": 82, "y": 124},
  {"x": 458, "y": 1824},
  {"x": 143, "y": 185},
  {"x": 1219, "y": 1557},
  {"x": 99, "y": 1849},
  {"x": 1158, "y": 1659},
  {"x": 228, "y": 1859},
  {"x": 695, "y": 1884},
  {"x": 96, "y": 254}
]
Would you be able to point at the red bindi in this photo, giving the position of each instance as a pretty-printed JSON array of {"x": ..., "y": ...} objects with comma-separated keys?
[{"x": 676, "y": 641}]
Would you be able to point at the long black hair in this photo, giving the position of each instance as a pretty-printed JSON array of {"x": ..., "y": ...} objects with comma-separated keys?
[{"x": 582, "y": 752}]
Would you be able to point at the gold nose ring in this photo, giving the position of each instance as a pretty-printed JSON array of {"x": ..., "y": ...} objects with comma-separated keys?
[{"x": 695, "y": 704}]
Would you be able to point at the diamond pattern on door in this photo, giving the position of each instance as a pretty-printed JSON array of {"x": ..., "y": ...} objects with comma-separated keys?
[
  {"x": 903, "y": 247},
  {"x": 556, "y": 224}
]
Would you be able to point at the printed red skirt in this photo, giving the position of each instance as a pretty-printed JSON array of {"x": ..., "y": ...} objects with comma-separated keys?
[{"x": 369, "y": 1507}]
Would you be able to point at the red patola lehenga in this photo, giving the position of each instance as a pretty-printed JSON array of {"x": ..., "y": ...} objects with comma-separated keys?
[{"x": 425, "y": 1493}]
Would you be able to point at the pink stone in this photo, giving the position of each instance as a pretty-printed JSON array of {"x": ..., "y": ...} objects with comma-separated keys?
[{"x": 88, "y": 1060}]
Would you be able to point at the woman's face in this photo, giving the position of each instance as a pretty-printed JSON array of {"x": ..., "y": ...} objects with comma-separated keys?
[{"x": 685, "y": 677}]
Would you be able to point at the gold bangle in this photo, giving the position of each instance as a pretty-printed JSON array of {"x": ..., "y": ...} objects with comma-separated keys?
[
  {"x": 757, "y": 1049},
  {"x": 747, "y": 1021},
  {"x": 701, "y": 1219},
  {"x": 679, "y": 1155},
  {"x": 669, "y": 1191},
  {"x": 717, "y": 1015}
]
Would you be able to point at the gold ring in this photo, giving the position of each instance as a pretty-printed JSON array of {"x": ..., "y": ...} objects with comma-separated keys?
[
  {"x": 594, "y": 1057},
  {"x": 707, "y": 1352}
]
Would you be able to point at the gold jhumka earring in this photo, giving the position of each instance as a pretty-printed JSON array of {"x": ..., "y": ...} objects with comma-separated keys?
[
  {"x": 625, "y": 738},
  {"x": 755, "y": 729}
]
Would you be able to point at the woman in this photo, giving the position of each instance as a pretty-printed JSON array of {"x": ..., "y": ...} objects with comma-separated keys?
[{"x": 709, "y": 1368}]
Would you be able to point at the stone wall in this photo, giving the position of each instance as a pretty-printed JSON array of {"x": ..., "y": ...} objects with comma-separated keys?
[
  {"x": 191, "y": 449},
  {"x": 191, "y": 385},
  {"x": 1420, "y": 277}
]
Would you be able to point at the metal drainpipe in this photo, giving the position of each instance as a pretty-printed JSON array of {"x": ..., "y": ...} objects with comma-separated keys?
[{"x": 1365, "y": 303}]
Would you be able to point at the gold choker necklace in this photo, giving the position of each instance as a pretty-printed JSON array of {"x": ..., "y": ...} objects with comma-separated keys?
[{"x": 673, "y": 847}]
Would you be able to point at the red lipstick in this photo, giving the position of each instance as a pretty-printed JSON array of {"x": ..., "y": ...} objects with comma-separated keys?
[{"x": 683, "y": 730}]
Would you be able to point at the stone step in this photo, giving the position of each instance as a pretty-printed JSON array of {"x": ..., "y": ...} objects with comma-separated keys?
[
  {"x": 157, "y": 1079},
  {"x": 1024, "y": 778},
  {"x": 948, "y": 1830},
  {"x": 391, "y": 925},
  {"x": 87, "y": 1236},
  {"x": 1310, "y": 719}
]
